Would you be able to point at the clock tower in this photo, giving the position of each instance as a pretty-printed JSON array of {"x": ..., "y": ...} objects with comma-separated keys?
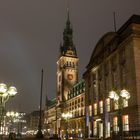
[{"x": 67, "y": 64}]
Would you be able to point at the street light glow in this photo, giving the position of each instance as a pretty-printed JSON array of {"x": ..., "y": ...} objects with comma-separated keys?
[
  {"x": 125, "y": 94},
  {"x": 12, "y": 91},
  {"x": 118, "y": 97},
  {"x": 3, "y": 88},
  {"x": 66, "y": 115},
  {"x": 112, "y": 94},
  {"x": 5, "y": 94}
]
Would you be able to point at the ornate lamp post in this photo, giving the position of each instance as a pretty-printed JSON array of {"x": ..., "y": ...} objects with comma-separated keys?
[
  {"x": 5, "y": 94},
  {"x": 67, "y": 116},
  {"x": 118, "y": 98}
]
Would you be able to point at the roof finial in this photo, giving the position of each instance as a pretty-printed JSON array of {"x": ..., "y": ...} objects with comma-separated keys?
[
  {"x": 67, "y": 2},
  {"x": 114, "y": 19},
  {"x": 68, "y": 16}
]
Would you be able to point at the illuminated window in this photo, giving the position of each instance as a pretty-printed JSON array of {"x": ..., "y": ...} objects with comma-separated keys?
[
  {"x": 115, "y": 124},
  {"x": 107, "y": 104},
  {"x": 101, "y": 106},
  {"x": 95, "y": 109},
  {"x": 125, "y": 103},
  {"x": 95, "y": 128},
  {"x": 116, "y": 106},
  {"x": 73, "y": 113},
  {"x": 125, "y": 123},
  {"x": 108, "y": 130},
  {"x": 90, "y": 110},
  {"x": 83, "y": 111},
  {"x": 79, "y": 111}
]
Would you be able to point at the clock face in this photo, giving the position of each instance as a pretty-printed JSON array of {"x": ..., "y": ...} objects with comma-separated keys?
[{"x": 70, "y": 76}]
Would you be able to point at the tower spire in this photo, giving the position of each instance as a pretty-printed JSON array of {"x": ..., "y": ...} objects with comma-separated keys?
[
  {"x": 67, "y": 47},
  {"x": 68, "y": 33},
  {"x": 68, "y": 15}
]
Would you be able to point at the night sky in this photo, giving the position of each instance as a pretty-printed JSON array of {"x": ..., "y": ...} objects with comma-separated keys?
[{"x": 30, "y": 34}]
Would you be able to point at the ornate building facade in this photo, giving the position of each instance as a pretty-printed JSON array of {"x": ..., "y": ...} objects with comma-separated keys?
[
  {"x": 50, "y": 117},
  {"x": 114, "y": 66},
  {"x": 70, "y": 96},
  {"x": 113, "y": 69}
]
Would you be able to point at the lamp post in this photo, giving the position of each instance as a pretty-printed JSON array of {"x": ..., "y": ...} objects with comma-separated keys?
[
  {"x": 39, "y": 132},
  {"x": 5, "y": 94},
  {"x": 67, "y": 116},
  {"x": 118, "y": 98}
]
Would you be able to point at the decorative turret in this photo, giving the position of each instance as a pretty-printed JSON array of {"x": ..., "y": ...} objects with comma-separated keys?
[{"x": 68, "y": 48}]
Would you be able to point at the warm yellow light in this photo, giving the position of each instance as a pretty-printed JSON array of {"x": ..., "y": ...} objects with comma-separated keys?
[
  {"x": 5, "y": 94},
  {"x": 66, "y": 115},
  {"x": 101, "y": 103},
  {"x": 97, "y": 120},
  {"x": 16, "y": 114},
  {"x": 3, "y": 88},
  {"x": 63, "y": 115},
  {"x": 125, "y": 94},
  {"x": 116, "y": 97},
  {"x": 8, "y": 114},
  {"x": 112, "y": 94},
  {"x": 12, "y": 113},
  {"x": 12, "y": 91},
  {"x": 69, "y": 115}
]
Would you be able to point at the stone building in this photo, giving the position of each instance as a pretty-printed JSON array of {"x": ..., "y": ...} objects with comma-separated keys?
[
  {"x": 70, "y": 96},
  {"x": 114, "y": 66},
  {"x": 32, "y": 121},
  {"x": 50, "y": 117},
  {"x": 75, "y": 105}
]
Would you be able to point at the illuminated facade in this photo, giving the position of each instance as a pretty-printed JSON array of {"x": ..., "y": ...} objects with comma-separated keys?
[
  {"x": 33, "y": 121},
  {"x": 75, "y": 105},
  {"x": 70, "y": 93},
  {"x": 67, "y": 64},
  {"x": 114, "y": 65},
  {"x": 50, "y": 117}
]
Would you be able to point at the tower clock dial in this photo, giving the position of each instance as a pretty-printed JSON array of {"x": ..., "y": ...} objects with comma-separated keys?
[{"x": 70, "y": 76}]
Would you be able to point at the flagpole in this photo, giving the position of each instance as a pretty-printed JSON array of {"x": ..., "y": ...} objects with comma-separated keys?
[{"x": 39, "y": 132}]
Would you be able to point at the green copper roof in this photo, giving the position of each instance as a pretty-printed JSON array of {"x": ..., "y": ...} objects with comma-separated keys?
[
  {"x": 77, "y": 89},
  {"x": 51, "y": 103}
]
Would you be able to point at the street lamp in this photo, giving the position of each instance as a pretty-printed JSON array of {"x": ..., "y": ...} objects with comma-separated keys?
[
  {"x": 67, "y": 116},
  {"x": 12, "y": 114},
  {"x": 118, "y": 98},
  {"x": 5, "y": 94}
]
